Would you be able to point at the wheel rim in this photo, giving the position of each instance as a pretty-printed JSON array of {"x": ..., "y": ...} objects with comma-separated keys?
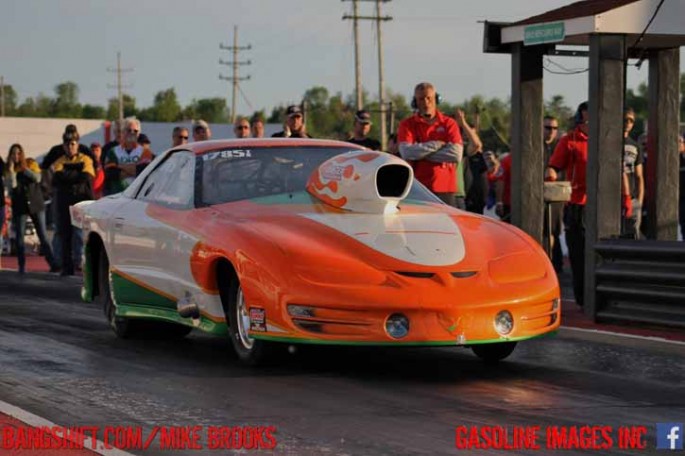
[{"x": 243, "y": 321}]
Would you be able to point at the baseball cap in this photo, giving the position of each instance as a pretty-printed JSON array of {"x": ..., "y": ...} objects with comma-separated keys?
[
  {"x": 200, "y": 124},
  {"x": 363, "y": 116},
  {"x": 143, "y": 139},
  {"x": 293, "y": 110}
]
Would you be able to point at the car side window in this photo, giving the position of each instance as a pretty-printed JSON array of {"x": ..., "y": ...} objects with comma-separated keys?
[{"x": 172, "y": 182}]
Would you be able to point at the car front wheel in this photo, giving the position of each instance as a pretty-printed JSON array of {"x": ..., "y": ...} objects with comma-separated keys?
[
  {"x": 494, "y": 352},
  {"x": 249, "y": 350}
]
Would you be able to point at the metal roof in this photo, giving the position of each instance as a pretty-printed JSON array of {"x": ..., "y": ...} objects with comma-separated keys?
[{"x": 626, "y": 17}]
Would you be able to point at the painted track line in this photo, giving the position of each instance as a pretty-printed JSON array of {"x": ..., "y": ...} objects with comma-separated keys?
[
  {"x": 619, "y": 334},
  {"x": 37, "y": 421}
]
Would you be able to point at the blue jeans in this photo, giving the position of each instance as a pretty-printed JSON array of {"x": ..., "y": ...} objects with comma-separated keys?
[
  {"x": 76, "y": 245},
  {"x": 19, "y": 223}
]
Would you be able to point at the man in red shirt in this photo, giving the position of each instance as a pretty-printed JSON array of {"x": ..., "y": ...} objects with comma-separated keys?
[
  {"x": 571, "y": 155},
  {"x": 431, "y": 142}
]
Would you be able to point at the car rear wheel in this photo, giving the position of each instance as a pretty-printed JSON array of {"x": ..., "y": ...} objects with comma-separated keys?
[
  {"x": 127, "y": 328},
  {"x": 494, "y": 352},
  {"x": 122, "y": 327},
  {"x": 249, "y": 350}
]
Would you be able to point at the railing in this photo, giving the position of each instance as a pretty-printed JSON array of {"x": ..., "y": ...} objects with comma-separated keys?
[{"x": 641, "y": 281}]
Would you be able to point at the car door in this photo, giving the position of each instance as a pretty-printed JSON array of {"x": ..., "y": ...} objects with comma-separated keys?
[{"x": 154, "y": 253}]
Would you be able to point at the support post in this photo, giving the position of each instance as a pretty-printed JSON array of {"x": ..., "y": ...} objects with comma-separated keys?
[
  {"x": 662, "y": 164},
  {"x": 605, "y": 152},
  {"x": 526, "y": 140}
]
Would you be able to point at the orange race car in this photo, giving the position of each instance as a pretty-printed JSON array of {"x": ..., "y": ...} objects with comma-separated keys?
[{"x": 309, "y": 241}]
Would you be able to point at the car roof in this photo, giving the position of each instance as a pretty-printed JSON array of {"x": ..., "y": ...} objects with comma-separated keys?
[{"x": 218, "y": 144}]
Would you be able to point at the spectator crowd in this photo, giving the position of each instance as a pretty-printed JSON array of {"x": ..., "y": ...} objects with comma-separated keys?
[{"x": 445, "y": 152}]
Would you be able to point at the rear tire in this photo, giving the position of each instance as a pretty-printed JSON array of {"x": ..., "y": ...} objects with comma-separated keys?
[
  {"x": 250, "y": 351},
  {"x": 124, "y": 328},
  {"x": 493, "y": 353},
  {"x": 127, "y": 328}
]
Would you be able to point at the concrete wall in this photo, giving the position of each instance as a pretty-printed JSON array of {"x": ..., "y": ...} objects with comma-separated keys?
[{"x": 37, "y": 136}]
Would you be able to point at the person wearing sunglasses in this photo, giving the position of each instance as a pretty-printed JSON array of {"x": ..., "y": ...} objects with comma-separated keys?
[
  {"x": 179, "y": 136},
  {"x": 550, "y": 138},
  {"x": 241, "y": 128},
  {"x": 125, "y": 161},
  {"x": 633, "y": 180}
]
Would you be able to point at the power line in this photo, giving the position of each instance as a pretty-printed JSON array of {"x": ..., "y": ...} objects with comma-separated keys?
[
  {"x": 235, "y": 64},
  {"x": 381, "y": 82},
  {"x": 642, "y": 35}
]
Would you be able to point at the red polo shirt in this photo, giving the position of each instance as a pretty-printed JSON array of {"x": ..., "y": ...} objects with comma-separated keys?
[
  {"x": 438, "y": 177},
  {"x": 571, "y": 155}
]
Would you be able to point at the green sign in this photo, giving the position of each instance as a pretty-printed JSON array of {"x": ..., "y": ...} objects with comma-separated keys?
[{"x": 544, "y": 33}]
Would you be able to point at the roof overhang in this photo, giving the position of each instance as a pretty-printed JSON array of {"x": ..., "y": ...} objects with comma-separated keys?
[{"x": 666, "y": 31}]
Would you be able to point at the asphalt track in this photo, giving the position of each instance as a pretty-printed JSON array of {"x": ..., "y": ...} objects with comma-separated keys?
[{"x": 59, "y": 360}]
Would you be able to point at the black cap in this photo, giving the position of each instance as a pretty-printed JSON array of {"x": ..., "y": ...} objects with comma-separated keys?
[
  {"x": 143, "y": 139},
  {"x": 293, "y": 110},
  {"x": 363, "y": 116}
]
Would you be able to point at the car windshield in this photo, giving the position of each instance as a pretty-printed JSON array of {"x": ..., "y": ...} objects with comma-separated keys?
[{"x": 236, "y": 174}]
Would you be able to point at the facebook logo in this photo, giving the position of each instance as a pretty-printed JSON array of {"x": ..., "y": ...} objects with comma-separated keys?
[{"x": 669, "y": 436}]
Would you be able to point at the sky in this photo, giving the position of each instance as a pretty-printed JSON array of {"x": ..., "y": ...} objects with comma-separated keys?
[{"x": 296, "y": 44}]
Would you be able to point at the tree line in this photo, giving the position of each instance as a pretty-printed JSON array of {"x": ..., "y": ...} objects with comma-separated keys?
[{"x": 328, "y": 115}]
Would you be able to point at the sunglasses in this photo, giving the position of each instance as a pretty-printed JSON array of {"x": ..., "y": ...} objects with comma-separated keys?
[
  {"x": 182, "y": 137},
  {"x": 550, "y": 127},
  {"x": 243, "y": 127}
]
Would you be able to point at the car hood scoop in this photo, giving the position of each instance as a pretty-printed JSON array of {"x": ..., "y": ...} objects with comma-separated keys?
[{"x": 362, "y": 181}]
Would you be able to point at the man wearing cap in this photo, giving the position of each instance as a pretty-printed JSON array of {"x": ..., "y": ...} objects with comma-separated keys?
[
  {"x": 431, "y": 142},
  {"x": 201, "y": 131},
  {"x": 294, "y": 124},
  {"x": 362, "y": 126},
  {"x": 241, "y": 128}
]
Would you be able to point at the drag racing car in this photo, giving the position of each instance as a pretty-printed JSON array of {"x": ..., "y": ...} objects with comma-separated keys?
[{"x": 288, "y": 241}]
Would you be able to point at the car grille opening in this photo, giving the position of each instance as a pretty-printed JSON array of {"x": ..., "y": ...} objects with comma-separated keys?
[{"x": 418, "y": 275}]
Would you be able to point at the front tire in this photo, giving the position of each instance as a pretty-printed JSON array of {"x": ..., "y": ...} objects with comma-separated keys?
[
  {"x": 493, "y": 353},
  {"x": 250, "y": 351}
]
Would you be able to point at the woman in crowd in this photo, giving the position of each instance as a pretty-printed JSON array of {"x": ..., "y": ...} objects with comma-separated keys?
[{"x": 22, "y": 180}]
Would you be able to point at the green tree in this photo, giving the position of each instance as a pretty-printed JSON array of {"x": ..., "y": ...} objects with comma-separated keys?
[
  {"x": 129, "y": 107},
  {"x": 41, "y": 106},
  {"x": 213, "y": 110},
  {"x": 10, "y": 100},
  {"x": 93, "y": 112},
  {"x": 558, "y": 108},
  {"x": 65, "y": 104},
  {"x": 166, "y": 107}
]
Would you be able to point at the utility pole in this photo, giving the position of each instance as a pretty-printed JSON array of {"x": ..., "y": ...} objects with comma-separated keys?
[
  {"x": 381, "y": 82},
  {"x": 235, "y": 63},
  {"x": 120, "y": 87},
  {"x": 357, "y": 61},
  {"x": 2, "y": 97}
]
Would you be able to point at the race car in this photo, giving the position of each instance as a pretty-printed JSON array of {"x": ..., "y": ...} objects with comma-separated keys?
[{"x": 289, "y": 241}]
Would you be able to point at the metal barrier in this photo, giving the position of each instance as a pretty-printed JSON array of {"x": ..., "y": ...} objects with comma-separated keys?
[{"x": 641, "y": 281}]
